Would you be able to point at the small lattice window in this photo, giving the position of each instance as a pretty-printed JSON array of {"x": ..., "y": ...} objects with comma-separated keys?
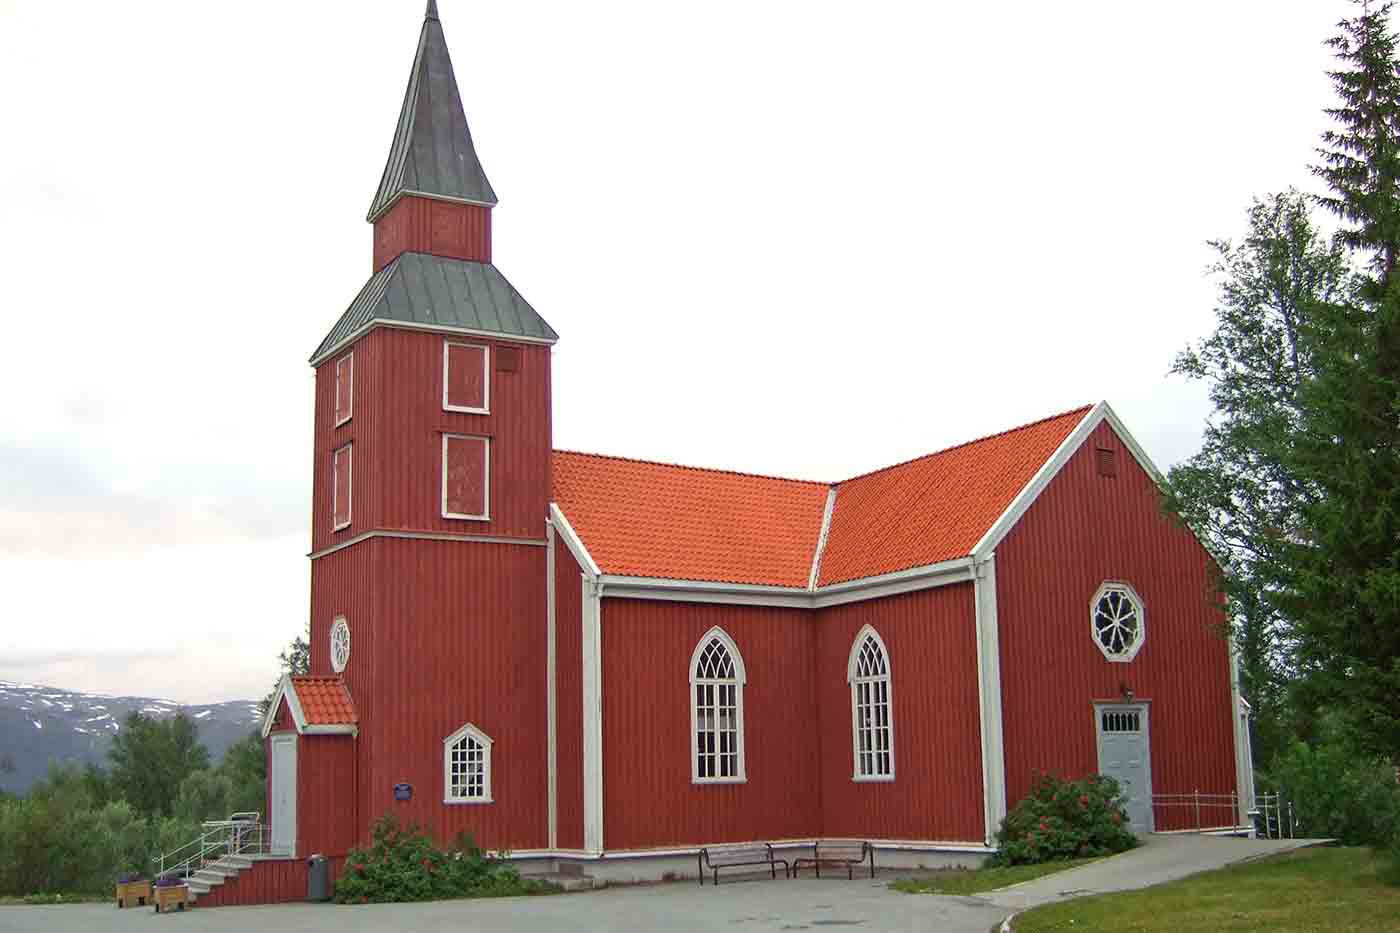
[
  {"x": 873, "y": 733},
  {"x": 466, "y": 764},
  {"x": 1118, "y": 622},
  {"x": 717, "y": 710}
]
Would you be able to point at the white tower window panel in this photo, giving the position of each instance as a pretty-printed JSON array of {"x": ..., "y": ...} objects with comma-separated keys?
[
  {"x": 717, "y": 710},
  {"x": 872, "y": 706}
]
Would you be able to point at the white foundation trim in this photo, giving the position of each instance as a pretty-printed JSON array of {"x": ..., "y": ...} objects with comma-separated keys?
[
  {"x": 551, "y": 697},
  {"x": 592, "y": 715},
  {"x": 989, "y": 697}
]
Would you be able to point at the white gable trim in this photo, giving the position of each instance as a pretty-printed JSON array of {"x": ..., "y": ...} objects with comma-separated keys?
[
  {"x": 285, "y": 691},
  {"x": 574, "y": 542},
  {"x": 1051, "y": 468}
]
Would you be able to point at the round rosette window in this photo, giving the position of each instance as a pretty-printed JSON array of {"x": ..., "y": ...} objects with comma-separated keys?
[
  {"x": 340, "y": 645},
  {"x": 1118, "y": 621}
]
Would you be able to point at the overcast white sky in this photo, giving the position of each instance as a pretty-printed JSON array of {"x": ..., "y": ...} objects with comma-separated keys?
[{"x": 807, "y": 239}]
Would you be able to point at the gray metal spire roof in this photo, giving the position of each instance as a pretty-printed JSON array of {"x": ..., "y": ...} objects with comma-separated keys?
[
  {"x": 437, "y": 293},
  {"x": 432, "y": 152}
]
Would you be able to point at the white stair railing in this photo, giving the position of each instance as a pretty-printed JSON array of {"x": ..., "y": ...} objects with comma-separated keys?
[{"x": 240, "y": 834}]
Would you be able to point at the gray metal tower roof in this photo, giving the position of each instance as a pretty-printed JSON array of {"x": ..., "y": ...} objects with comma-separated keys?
[
  {"x": 436, "y": 293},
  {"x": 432, "y": 152}
]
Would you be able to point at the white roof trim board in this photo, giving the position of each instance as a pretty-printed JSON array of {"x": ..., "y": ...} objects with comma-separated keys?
[{"x": 902, "y": 581}]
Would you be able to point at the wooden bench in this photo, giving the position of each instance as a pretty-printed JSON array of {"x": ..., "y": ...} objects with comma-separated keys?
[
  {"x": 757, "y": 853},
  {"x": 838, "y": 852}
]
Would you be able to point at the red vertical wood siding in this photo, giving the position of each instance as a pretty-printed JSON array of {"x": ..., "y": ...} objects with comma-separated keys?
[
  {"x": 568, "y": 683},
  {"x": 397, "y": 430},
  {"x": 269, "y": 881},
  {"x": 931, "y": 637},
  {"x": 326, "y": 817},
  {"x": 1082, "y": 530},
  {"x": 648, "y": 797},
  {"x": 459, "y": 637},
  {"x": 422, "y": 225}
]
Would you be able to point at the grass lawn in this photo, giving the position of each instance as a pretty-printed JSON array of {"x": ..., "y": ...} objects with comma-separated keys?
[
  {"x": 1312, "y": 889},
  {"x": 54, "y": 899},
  {"x": 968, "y": 881}
]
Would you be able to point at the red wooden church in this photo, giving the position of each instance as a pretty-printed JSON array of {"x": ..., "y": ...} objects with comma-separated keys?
[{"x": 617, "y": 662}]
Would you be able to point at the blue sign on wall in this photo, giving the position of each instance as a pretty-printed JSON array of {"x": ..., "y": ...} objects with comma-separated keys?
[{"x": 403, "y": 791}]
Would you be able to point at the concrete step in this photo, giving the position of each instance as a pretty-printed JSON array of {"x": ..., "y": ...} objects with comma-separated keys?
[
  {"x": 197, "y": 887},
  {"x": 211, "y": 877},
  {"x": 240, "y": 862}
]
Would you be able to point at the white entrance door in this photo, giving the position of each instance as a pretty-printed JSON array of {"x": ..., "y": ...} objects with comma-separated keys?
[
  {"x": 284, "y": 794},
  {"x": 1125, "y": 755}
]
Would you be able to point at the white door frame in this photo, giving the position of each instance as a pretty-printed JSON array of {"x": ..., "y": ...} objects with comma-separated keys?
[
  {"x": 1144, "y": 709},
  {"x": 284, "y": 824}
]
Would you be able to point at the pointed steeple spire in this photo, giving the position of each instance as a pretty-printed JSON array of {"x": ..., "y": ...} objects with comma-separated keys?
[{"x": 432, "y": 154}]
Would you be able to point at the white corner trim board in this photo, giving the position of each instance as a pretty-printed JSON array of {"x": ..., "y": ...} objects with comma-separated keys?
[
  {"x": 989, "y": 697},
  {"x": 551, "y": 691},
  {"x": 592, "y": 714}
]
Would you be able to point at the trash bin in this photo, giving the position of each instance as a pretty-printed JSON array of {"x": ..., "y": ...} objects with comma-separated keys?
[{"x": 318, "y": 878}]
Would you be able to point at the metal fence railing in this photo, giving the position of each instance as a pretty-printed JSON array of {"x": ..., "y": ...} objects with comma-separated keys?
[
  {"x": 1274, "y": 817},
  {"x": 1198, "y": 812}
]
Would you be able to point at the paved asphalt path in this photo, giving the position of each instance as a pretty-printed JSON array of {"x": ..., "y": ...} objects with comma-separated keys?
[{"x": 738, "y": 907}]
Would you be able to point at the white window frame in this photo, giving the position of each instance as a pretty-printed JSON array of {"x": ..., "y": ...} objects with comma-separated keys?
[
  {"x": 1132, "y": 594},
  {"x": 340, "y": 624},
  {"x": 485, "y": 482},
  {"x": 485, "y": 741},
  {"x": 855, "y": 680},
  {"x": 738, "y": 681},
  {"x": 485, "y": 349},
  {"x": 348, "y": 358},
  {"x": 346, "y": 449}
]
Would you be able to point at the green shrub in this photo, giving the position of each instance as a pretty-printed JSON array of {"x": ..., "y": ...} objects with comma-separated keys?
[
  {"x": 1339, "y": 793},
  {"x": 1392, "y": 871},
  {"x": 1064, "y": 819},
  {"x": 402, "y": 864}
]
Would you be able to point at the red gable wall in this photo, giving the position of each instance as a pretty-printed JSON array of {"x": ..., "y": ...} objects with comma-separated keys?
[{"x": 1082, "y": 530}]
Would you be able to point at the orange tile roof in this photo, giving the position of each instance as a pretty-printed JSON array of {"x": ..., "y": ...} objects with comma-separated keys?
[
  {"x": 325, "y": 701},
  {"x": 645, "y": 519},
  {"x": 937, "y": 507}
]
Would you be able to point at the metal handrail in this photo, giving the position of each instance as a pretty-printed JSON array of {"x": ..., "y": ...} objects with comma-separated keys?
[{"x": 240, "y": 834}]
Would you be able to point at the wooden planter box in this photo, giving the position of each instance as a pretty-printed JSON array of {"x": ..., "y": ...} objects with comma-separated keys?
[
  {"x": 134, "y": 894},
  {"x": 173, "y": 897}
]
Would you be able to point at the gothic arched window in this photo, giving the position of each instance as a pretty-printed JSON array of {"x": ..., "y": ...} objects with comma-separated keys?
[
  {"x": 872, "y": 727},
  {"x": 716, "y": 710}
]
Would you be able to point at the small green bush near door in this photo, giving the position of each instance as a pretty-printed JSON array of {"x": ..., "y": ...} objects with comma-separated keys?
[
  {"x": 1062, "y": 819},
  {"x": 402, "y": 864}
]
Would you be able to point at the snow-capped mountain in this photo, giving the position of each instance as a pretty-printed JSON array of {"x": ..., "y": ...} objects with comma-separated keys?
[{"x": 39, "y": 724}]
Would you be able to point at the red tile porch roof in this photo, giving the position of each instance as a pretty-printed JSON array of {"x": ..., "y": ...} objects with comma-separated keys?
[
  {"x": 646, "y": 519},
  {"x": 325, "y": 701}
]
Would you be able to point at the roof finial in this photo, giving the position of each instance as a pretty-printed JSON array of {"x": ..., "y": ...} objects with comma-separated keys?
[{"x": 432, "y": 10}]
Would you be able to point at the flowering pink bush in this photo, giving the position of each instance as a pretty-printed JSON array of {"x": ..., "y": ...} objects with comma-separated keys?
[{"x": 1064, "y": 819}]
